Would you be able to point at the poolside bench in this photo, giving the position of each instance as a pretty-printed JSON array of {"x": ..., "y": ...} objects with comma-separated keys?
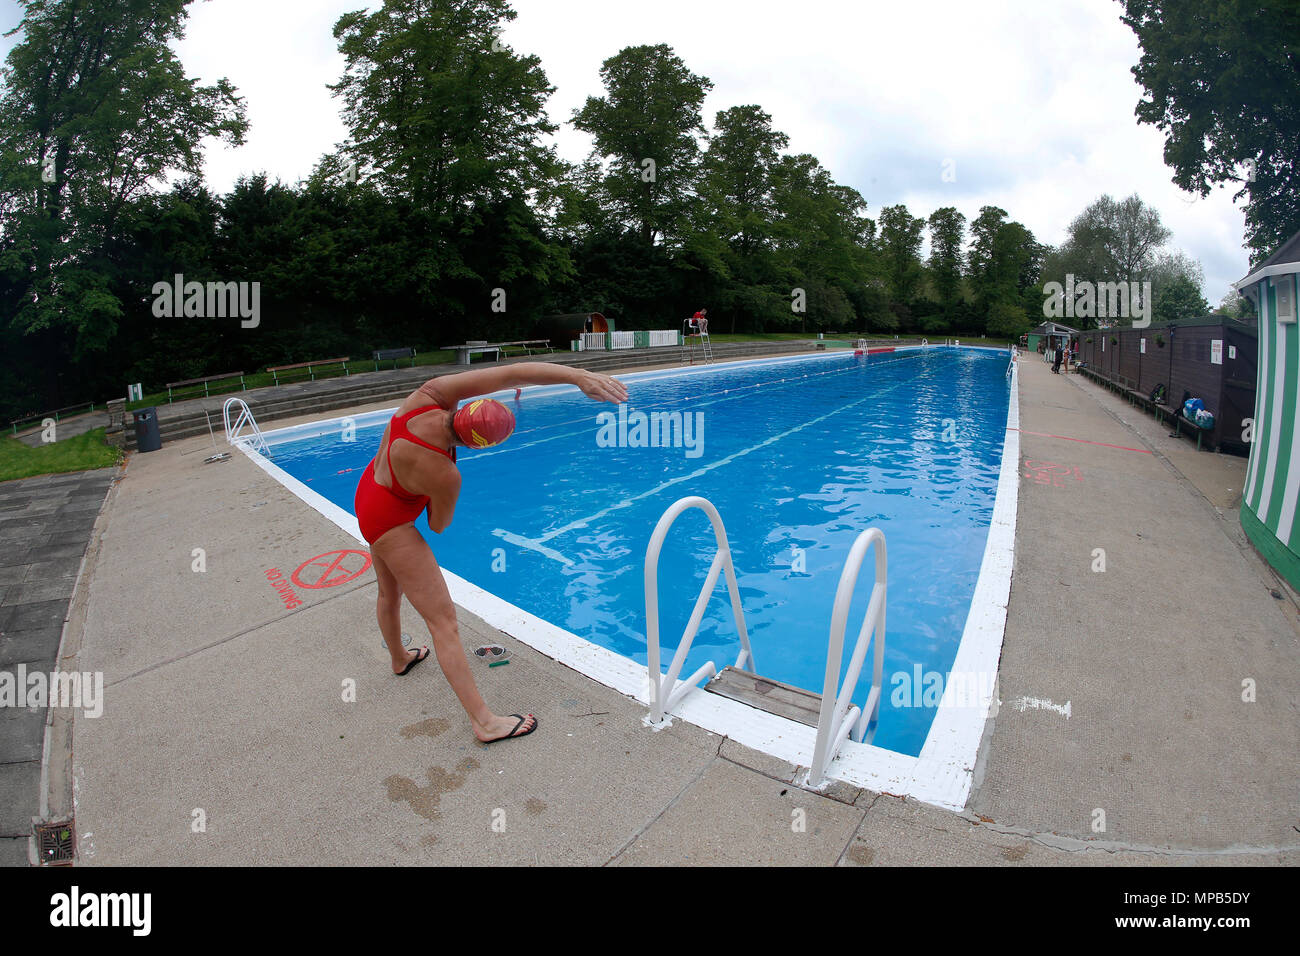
[
  {"x": 205, "y": 382},
  {"x": 1180, "y": 420},
  {"x": 387, "y": 355},
  {"x": 526, "y": 347},
  {"x": 464, "y": 353},
  {"x": 275, "y": 370}
]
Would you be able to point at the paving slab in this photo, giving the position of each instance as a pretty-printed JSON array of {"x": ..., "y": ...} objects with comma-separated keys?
[
  {"x": 732, "y": 816},
  {"x": 1122, "y": 689},
  {"x": 22, "y": 733},
  {"x": 37, "y": 582},
  {"x": 19, "y": 799},
  {"x": 34, "y": 647},
  {"x": 13, "y": 851},
  {"x": 901, "y": 832}
]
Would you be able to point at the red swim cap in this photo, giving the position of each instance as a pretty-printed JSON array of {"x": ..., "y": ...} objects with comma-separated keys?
[{"x": 483, "y": 422}]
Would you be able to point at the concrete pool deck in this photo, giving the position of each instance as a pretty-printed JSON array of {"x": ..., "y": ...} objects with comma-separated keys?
[{"x": 226, "y": 738}]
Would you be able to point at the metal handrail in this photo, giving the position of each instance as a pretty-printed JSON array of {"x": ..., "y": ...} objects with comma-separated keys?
[
  {"x": 838, "y": 713},
  {"x": 244, "y": 418},
  {"x": 659, "y": 701}
]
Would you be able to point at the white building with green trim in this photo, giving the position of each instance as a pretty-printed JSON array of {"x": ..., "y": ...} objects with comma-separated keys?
[{"x": 1269, "y": 511}]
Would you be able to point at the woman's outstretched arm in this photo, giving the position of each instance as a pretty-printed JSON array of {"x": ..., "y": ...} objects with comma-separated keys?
[{"x": 453, "y": 389}]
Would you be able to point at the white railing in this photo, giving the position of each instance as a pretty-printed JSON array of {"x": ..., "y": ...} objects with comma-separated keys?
[
  {"x": 664, "y": 692},
  {"x": 663, "y": 337},
  {"x": 840, "y": 717},
  {"x": 622, "y": 340},
  {"x": 593, "y": 340},
  {"x": 244, "y": 419}
]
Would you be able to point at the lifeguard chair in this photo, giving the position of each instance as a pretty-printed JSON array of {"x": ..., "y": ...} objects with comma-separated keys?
[{"x": 695, "y": 341}]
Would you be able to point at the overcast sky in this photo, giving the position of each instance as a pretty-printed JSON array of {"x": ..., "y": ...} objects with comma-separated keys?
[{"x": 1029, "y": 103}]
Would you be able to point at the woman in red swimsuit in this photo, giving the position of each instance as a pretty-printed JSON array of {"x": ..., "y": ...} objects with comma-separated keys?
[{"x": 415, "y": 472}]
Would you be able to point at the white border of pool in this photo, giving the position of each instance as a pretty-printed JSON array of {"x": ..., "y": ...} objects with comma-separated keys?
[{"x": 943, "y": 772}]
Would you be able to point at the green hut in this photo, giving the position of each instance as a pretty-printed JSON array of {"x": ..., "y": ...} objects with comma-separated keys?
[{"x": 1268, "y": 507}]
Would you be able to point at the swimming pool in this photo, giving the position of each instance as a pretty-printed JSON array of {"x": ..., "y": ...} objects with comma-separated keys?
[{"x": 798, "y": 455}]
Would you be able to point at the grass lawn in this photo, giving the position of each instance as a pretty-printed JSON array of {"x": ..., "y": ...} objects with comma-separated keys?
[{"x": 82, "y": 453}]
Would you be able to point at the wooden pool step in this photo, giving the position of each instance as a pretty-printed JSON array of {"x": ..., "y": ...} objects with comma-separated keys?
[{"x": 773, "y": 697}]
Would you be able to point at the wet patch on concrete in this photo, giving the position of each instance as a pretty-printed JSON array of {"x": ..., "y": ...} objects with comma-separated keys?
[
  {"x": 534, "y": 807},
  {"x": 426, "y": 728},
  {"x": 425, "y": 800},
  {"x": 1015, "y": 853},
  {"x": 860, "y": 855}
]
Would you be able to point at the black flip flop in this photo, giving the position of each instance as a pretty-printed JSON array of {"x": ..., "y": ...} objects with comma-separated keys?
[
  {"x": 415, "y": 660},
  {"x": 512, "y": 734}
]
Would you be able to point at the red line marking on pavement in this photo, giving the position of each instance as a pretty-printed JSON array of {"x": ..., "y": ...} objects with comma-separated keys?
[{"x": 1141, "y": 451}]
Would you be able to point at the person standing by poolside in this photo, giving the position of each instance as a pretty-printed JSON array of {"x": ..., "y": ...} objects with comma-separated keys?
[
  {"x": 423, "y": 479},
  {"x": 1057, "y": 355}
]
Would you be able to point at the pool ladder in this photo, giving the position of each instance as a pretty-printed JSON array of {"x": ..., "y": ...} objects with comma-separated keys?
[
  {"x": 838, "y": 718},
  {"x": 243, "y": 419}
]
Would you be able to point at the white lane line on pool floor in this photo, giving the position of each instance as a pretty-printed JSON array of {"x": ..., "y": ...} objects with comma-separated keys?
[
  {"x": 535, "y": 543},
  {"x": 532, "y": 545}
]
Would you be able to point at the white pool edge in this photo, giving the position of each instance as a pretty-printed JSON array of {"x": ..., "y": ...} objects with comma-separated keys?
[{"x": 941, "y": 775}]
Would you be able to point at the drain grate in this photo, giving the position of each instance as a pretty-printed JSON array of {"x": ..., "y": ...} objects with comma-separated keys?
[{"x": 56, "y": 843}]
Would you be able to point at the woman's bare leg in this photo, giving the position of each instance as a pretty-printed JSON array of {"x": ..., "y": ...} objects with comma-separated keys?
[
  {"x": 407, "y": 556},
  {"x": 388, "y": 608}
]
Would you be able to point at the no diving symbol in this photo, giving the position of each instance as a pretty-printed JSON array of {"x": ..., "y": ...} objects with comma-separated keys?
[{"x": 331, "y": 569}]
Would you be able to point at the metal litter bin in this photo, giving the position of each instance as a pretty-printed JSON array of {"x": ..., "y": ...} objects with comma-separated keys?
[{"x": 147, "y": 437}]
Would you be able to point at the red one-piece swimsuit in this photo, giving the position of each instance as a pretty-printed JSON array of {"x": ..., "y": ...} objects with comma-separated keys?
[{"x": 379, "y": 509}]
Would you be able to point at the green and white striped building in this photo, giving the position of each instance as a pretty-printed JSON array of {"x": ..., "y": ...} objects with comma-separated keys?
[{"x": 1269, "y": 512}]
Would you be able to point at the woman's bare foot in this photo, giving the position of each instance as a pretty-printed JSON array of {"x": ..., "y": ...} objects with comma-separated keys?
[{"x": 499, "y": 728}]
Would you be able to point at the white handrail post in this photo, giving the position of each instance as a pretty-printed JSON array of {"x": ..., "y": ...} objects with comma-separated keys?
[
  {"x": 663, "y": 692},
  {"x": 244, "y": 417},
  {"x": 838, "y": 715}
]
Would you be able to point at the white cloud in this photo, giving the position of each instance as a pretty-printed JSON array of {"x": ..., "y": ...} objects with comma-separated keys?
[{"x": 1032, "y": 101}]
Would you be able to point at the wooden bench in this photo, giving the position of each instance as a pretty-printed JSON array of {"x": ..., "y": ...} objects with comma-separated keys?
[
  {"x": 204, "y": 382},
  {"x": 464, "y": 353},
  {"x": 1180, "y": 420},
  {"x": 393, "y": 355},
  {"x": 526, "y": 346},
  {"x": 275, "y": 370}
]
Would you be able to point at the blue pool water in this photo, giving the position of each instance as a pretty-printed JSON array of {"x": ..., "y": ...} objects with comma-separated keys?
[{"x": 798, "y": 456}]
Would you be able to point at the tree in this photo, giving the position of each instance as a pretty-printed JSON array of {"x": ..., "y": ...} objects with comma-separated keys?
[
  {"x": 982, "y": 231},
  {"x": 1181, "y": 276},
  {"x": 95, "y": 109},
  {"x": 1179, "y": 298},
  {"x": 645, "y": 129},
  {"x": 444, "y": 117},
  {"x": 1221, "y": 80},
  {"x": 438, "y": 110},
  {"x": 947, "y": 234},
  {"x": 1119, "y": 238},
  {"x": 733, "y": 219},
  {"x": 1237, "y": 306},
  {"x": 820, "y": 232},
  {"x": 1110, "y": 242},
  {"x": 900, "y": 249},
  {"x": 735, "y": 187}
]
